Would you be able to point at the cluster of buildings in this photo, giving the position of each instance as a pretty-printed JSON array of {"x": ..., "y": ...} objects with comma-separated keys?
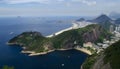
[
  {"x": 117, "y": 28},
  {"x": 101, "y": 46},
  {"x": 117, "y": 31}
]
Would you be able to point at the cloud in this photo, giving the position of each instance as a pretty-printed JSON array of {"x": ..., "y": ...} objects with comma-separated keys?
[
  {"x": 67, "y": 2},
  {"x": 25, "y": 1},
  {"x": 88, "y": 2},
  {"x": 30, "y": 1}
]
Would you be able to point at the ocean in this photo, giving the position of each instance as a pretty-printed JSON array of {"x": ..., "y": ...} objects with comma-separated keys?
[{"x": 11, "y": 56}]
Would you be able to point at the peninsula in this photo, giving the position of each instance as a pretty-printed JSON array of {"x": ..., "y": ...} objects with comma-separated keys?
[{"x": 36, "y": 44}]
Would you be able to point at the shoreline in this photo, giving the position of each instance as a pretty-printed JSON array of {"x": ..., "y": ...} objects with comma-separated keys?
[
  {"x": 42, "y": 53},
  {"x": 32, "y": 53},
  {"x": 10, "y": 43},
  {"x": 84, "y": 50}
]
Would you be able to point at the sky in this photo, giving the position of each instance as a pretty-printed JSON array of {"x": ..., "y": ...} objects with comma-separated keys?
[{"x": 58, "y": 7}]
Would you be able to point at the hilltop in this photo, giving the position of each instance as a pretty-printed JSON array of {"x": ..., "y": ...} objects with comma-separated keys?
[{"x": 102, "y": 18}]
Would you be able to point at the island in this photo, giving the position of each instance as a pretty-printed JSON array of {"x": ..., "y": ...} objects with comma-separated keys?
[{"x": 35, "y": 43}]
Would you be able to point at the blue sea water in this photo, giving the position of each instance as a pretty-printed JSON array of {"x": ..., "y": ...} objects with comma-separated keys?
[{"x": 11, "y": 56}]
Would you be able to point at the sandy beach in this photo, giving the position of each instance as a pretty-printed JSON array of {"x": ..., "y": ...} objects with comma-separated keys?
[{"x": 84, "y": 50}]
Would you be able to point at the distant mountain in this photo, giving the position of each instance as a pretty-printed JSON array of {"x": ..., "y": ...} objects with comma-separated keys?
[
  {"x": 81, "y": 19},
  {"x": 104, "y": 21},
  {"x": 102, "y": 18},
  {"x": 117, "y": 21}
]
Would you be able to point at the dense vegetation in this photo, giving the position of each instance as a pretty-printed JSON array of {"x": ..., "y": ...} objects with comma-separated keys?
[
  {"x": 77, "y": 35},
  {"x": 67, "y": 39},
  {"x": 34, "y": 41},
  {"x": 31, "y": 40},
  {"x": 112, "y": 55},
  {"x": 89, "y": 61}
]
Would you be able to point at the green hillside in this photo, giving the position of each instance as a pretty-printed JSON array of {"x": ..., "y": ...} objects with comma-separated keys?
[
  {"x": 112, "y": 55},
  {"x": 34, "y": 41}
]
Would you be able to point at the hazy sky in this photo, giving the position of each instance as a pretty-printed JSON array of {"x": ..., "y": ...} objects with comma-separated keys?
[{"x": 58, "y": 7}]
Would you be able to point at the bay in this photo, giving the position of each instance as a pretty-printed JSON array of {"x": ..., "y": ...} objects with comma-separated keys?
[{"x": 11, "y": 56}]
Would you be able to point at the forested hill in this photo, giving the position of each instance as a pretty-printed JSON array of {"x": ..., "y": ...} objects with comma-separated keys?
[{"x": 34, "y": 41}]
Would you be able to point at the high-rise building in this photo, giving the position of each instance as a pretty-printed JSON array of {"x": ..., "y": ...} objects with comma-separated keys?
[
  {"x": 111, "y": 28},
  {"x": 117, "y": 28}
]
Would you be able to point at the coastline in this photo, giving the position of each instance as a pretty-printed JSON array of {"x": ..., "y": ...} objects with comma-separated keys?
[
  {"x": 13, "y": 44},
  {"x": 33, "y": 53},
  {"x": 10, "y": 43},
  {"x": 84, "y": 50}
]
